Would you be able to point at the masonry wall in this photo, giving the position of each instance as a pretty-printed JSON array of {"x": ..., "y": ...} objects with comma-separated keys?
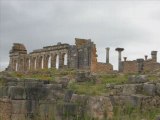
[
  {"x": 150, "y": 65},
  {"x": 103, "y": 68},
  {"x": 129, "y": 67},
  {"x": 6, "y": 109}
]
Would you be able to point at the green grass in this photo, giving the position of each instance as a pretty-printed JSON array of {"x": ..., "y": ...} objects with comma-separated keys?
[
  {"x": 1, "y": 82},
  {"x": 44, "y": 74},
  {"x": 114, "y": 78},
  {"x": 134, "y": 113},
  {"x": 87, "y": 88},
  {"x": 99, "y": 88}
]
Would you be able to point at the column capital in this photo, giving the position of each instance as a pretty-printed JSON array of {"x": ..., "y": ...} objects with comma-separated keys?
[
  {"x": 107, "y": 48},
  {"x": 119, "y": 49}
]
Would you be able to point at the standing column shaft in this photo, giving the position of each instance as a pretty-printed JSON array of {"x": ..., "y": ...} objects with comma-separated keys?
[
  {"x": 154, "y": 56},
  {"x": 119, "y": 58},
  {"x": 107, "y": 55}
]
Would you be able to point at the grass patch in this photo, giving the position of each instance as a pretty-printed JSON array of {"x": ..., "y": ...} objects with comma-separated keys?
[
  {"x": 44, "y": 74},
  {"x": 114, "y": 78},
  {"x": 99, "y": 88},
  {"x": 134, "y": 113},
  {"x": 2, "y": 82},
  {"x": 87, "y": 88}
]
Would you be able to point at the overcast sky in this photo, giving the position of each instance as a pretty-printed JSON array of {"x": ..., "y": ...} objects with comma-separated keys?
[{"x": 131, "y": 24}]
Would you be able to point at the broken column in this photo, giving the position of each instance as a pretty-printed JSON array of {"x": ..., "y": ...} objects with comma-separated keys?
[
  {"x": 119, "y": 58},
  {"x": 140, "y": 65},
  {"x": 154, "y": 56},
  {"x": 146, "y": 57},
  {"x": 125, "y": 59},
  {"x": 107, "y": 55}
]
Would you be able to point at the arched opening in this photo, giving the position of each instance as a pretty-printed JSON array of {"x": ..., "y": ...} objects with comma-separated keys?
[
  {"x": 57, "y": 61},
  {"x": 49, "y": 61},
  {"x": 65, "y": 62},
  {"x": 15, "y": 65}
]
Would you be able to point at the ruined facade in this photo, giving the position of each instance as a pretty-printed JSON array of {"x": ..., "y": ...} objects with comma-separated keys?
[
  {"x": 139, "y": 65},
  {"x": 81, "y": 56}
]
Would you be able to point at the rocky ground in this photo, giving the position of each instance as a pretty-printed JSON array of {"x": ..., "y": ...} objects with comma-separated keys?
[{"x": 70, "y": 95}]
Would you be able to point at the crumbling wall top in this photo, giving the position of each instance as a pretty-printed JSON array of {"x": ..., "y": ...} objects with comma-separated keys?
[
  {"x": 18, "y": 47},
  {"x": 80, "y": 42}
]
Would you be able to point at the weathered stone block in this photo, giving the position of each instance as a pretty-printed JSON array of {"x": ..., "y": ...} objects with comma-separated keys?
[
  {"x": 16, "y": 93},
  {"x": 32, "y": 83},
  {"x": 158, "y": 89},
  {"x": 157, "y": 117},
  {"x": 18, "y": 117},
  {"x": 82, "y": 76},
  {"x": 36, "y": 93},
  {"x": 3, "y": 91},
  {"x": 47, "y": 110},
  {"x": 129, "y": 89},
  {"x": 100, "y": 108},
  {"x": 19, "y": 107},
  {"x": 64, "y": 81},
  {"x": 137, "y": 79},
  {"x": 149, "y": 89},
  {"x": 68, "y": 95}
]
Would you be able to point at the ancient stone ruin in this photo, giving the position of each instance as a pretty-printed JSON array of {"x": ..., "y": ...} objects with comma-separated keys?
[
  {"x": 81, "y": 56},
  {"x": 139, "y": 65}
]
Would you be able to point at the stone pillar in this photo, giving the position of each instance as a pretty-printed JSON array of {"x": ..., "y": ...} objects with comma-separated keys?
[
  {"x": 60, "y": 60},
  {"x": 146, "y": 57},
  {"x": 154, "y": 56},
  {"x": 125, "y": 59},
  {"x": 119, "y": 58},
  {"x": 107, "y": 55},
  {"x": 140, "y": 63}
]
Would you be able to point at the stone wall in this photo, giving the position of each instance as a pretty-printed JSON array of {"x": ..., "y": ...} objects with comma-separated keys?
[
  {"x": 6, "y": 109},
  {"x": 150, "y": 65},
  {"x": 140, "y": 65},
  {"x": 29, "y": 99},
  {"x": 103, "y": 68},
  {"x": 129, "y": 67}
]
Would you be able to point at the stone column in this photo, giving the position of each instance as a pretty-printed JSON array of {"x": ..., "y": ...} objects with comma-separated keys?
[
  {"x": 107, "y": 55},
  {"x": 146, "y": 57},
  {"x": 125, "y": 59},
  {"x": 154, "y": 56},
  {"x": 140, "y": 63},
  {"x": 119, "y": 57}
]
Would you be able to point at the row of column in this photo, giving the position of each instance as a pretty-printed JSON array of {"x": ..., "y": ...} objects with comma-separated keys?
[
  {"x": 40, "y": 62},
  {"x": 119, "y": 56}
]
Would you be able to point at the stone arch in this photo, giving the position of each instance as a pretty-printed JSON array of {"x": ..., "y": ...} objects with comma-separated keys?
[{"x": 64, "y": 59}]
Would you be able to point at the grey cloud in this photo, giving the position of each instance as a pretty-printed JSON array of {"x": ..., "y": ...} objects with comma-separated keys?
[{"x": 39, "y": 23}]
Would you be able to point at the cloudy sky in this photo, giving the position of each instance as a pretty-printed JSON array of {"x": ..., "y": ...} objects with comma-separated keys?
[{"x": 131, "y": 24}]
